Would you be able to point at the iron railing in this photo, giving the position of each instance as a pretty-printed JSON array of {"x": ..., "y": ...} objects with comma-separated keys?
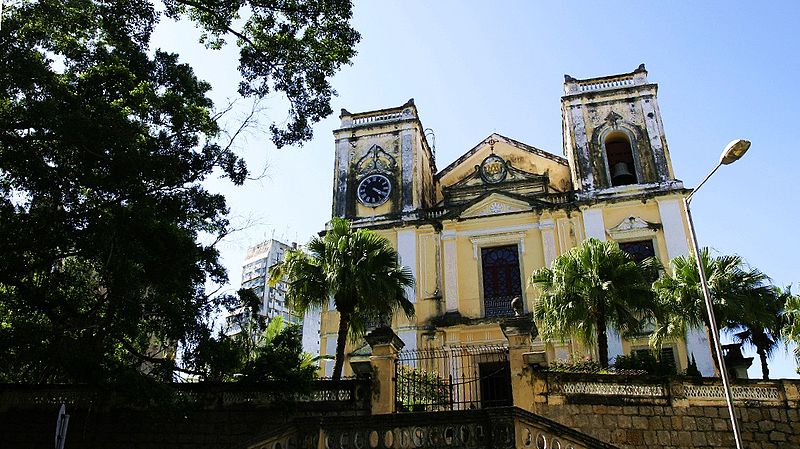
[{"x": 452, "y": 378}]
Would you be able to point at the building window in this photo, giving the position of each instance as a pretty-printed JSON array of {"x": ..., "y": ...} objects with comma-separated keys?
[
  {"x": 639, "y": 250},
  {"x": 501, "y": 279},
  {"x": 619, "y": 155}
]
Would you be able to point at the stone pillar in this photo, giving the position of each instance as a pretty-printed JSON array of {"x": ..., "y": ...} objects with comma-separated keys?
[
  {"x": 385, "y": 345},
  {"x": 520, "y": 331}
]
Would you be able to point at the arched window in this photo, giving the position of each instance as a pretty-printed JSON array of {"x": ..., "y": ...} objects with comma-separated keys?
[{"x": 620, "y": 159}]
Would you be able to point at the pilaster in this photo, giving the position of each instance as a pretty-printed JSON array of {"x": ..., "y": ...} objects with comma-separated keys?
[{"x": 450, "y": 271}]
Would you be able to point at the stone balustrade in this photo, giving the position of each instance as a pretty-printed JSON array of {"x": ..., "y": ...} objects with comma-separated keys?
[
  {"x": 496, "y": 428},
  {"x": 570, "y": 387}
]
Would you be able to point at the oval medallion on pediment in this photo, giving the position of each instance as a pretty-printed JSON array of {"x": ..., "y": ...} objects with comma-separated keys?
[{"x": 493, "y": 169}]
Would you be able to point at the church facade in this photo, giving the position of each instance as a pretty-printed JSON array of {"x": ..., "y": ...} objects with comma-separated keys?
[{"x": 474, "y": 231}]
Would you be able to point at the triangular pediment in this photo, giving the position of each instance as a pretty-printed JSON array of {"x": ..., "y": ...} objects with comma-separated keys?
[
  {"x": 522, "y": 159},
  {"x": 495, "y": 204},
  {"x": 633, "y": 228}
]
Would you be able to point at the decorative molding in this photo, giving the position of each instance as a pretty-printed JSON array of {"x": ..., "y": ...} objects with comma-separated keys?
[
  {"x": 511, "y": 237},
  {"x": 605, "y": 389},
  {"x": 548, "y": 245},
  {"x": 449, "y": 235},
  {"x": 494, "y": 231},
  {"x": 717, "y": 392},
  {"x": 633, "y": 228},
  {"x": 495, "y": 204},
  {"x": 376, "y": 160}
]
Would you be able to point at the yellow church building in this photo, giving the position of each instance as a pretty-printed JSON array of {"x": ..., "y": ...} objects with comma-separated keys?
[{"x": 474, "y": 231}]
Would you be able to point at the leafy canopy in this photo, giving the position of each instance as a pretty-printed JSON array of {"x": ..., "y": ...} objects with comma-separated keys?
[
  {"x": 104, "y": 144},
  {"x": 358, "y": 269},
  {"x": 589, "y": 288}
]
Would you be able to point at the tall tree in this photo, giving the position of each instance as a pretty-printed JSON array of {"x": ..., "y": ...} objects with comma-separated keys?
[
  {"x": 357, "y": 268},
  {"x": 732, "y": 285},
  {"x": 588, "y": 289},
  {"x": 760, "y": 326},
  {"x": 104, "y": 143}
]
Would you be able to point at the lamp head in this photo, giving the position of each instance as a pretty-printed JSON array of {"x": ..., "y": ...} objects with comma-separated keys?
[{"x": 733, "y": 151}]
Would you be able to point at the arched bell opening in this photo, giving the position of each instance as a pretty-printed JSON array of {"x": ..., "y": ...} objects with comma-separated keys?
[{"x": 619, "y": 155}]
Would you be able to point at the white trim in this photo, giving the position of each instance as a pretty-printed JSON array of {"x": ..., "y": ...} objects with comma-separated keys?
[
  {"x": 593, "y": 224},
  {"x": 407, "y": 252},
  {"x": 674, "y": 230},
  {"x": 507, "y": 238},
  {"x": 548, "y": 241}
]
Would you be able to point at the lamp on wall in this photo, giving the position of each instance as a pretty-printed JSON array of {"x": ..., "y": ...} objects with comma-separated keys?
[{"x": 732, "y": 153}]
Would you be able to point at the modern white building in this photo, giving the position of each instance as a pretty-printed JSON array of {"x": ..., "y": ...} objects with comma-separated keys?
[{"x": 255, "y": 276}]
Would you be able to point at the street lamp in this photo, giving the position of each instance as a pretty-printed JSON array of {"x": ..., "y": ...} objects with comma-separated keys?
[{"x": 732, "y": 152}]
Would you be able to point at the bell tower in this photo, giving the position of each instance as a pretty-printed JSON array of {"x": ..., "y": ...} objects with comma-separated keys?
[
  {"x": 613, "y": 134},
  {"x": 384, "y": 167}
]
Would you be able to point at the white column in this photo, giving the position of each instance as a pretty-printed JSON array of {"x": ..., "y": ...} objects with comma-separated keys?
[
  {"x": 407, "y": 250},
  {"x": 595, "y": 227},
  {"x": 674, "y": 230},
  {"x": 311, "y": 325},
  {"x": 593, "y": 224},
  {"x": 450, "y": 271},
  {"x": 678, "y": 245},
  {"x": 697, "y": 345},
  {"x": 548, "y": 241},
  {"x": 330, "y": 349}
]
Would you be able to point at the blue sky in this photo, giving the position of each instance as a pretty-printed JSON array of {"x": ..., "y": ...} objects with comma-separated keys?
[{"x": 725, "y": 70}]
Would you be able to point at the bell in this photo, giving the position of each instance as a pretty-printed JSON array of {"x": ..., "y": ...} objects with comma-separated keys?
[{"x": 621, "y": 175}]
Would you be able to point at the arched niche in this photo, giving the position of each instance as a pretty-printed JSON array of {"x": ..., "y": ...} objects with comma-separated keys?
[{"x": 620, "y": 159}]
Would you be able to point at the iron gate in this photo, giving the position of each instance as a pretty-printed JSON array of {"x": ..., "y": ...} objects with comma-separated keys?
[{"x": 452, "y": 378}]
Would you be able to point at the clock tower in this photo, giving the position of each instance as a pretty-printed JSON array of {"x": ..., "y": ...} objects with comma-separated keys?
[{"x": 384, "y": 167}]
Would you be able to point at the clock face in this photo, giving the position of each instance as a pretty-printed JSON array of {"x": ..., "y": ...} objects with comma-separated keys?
[{"x": 374, "y": 190}]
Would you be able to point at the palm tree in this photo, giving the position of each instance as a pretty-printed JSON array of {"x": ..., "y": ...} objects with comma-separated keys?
[
  {"x": 357, "y": 268},
  {"x": 732, "y": 285},
  {"x": 760, "y": 327},
  {"x": 791, "y": 321},
  {"x": 589, "y": 288}
]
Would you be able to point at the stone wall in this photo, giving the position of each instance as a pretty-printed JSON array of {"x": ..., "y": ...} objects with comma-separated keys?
[
  {"x": 640, "y": 412},
  {"x": 195, "y": 415}
]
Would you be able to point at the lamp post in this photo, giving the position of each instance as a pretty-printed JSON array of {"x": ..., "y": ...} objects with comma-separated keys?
[{"x": 732, "y": 152}]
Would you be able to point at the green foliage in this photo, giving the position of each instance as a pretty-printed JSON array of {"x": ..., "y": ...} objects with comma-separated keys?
[
  {"x": 644, "y": 361},
  {"x": 791, "y": 321},
  {"x": 104, "y": 144},
  {"x": 355, "y": 267},
  {"x": 419, "y": 389},
  {"x": 589, "y": 288},
  {"x": 737, "y": 292},
  {"x": 760, "y": 327}
]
